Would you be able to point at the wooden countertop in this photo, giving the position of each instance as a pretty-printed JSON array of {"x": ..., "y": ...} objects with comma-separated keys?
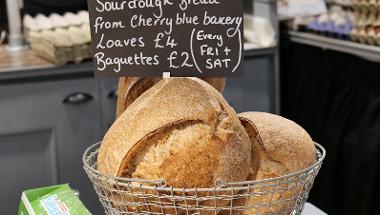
[
  {"x": 26, "y": 65},
  {"x": 23, "y": 60}
]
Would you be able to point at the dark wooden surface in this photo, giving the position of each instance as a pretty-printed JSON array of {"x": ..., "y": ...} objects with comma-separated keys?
[
  {"x": 25, "y": 66},
  {"x": 23, "y": 60}
]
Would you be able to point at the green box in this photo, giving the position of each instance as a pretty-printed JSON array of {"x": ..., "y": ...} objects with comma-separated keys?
[{"x": 53, "y": 200}]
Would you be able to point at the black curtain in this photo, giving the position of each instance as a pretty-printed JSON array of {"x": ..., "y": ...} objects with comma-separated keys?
[
  {"x": 336, "y": 98},
  {"x": 3, "y": 12},
  {"x": 47, "y": 7}
]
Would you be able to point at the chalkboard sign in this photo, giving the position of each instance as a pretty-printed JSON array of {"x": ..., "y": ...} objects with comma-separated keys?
[{"x": 142, "y": 38}]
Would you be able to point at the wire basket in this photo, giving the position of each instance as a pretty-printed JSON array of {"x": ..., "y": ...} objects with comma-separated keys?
[{"x": 282, "y": 195}]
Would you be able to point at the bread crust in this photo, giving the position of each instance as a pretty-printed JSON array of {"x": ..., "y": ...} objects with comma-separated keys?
[
  {"x": 162, "y": 110},
  {"x": 130, "y": 88},
  {"x": 121, "y": 91},
  {"x": 279, "y": 147},
  {"x": 283, "y": 144}
]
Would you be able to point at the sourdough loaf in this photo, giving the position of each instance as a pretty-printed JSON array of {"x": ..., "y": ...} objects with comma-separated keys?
[
  {"x": 279, "y": 147},
  {"x": 181, "y": 130},
  {"x": 132, "y": 87}
]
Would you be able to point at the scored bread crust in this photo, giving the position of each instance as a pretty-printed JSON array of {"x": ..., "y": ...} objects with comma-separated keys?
[
  {"x": 279, "y": 147},
  {"x": 130, "y": 88},
  {"x": 285, "y": 145},
  {"x": 165, "y": 110}
]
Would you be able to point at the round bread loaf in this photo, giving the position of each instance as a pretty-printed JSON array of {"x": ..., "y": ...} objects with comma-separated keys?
[
  {"x": 181, "y": 130},
  {"x": 279, "y": 147},
  {"x": 130, "y": 88}
]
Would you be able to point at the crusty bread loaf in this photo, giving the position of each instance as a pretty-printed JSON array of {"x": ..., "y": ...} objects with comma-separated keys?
[
  {"x": 130, "y": 88},
  {"x": 181, "y": 130},
  {"x": 217, "y": 83},
  {"x": 279, "y": 147},
  {"x": 282, "y": 145}
]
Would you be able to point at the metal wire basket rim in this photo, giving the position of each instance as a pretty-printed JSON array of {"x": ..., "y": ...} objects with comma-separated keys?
[{"x": 219, "y": 184}]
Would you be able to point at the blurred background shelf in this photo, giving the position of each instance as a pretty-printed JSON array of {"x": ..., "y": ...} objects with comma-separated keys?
[
  {"x": 23, "y": 60},
  {"x": 259, "y": 52},
  {"x": 368, "y": 52},
  {"x": 346, "y": 5},
  {"x": 45, "y": 73}
]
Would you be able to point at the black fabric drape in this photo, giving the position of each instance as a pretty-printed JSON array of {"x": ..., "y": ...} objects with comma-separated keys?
[
  {"x": 33, "y": 7},
  {"x": 3, "y": 12},
  {"x": 336, "y": 98}
]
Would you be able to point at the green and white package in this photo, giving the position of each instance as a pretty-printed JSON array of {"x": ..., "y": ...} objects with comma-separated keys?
[{"x": 53, "y": 200}]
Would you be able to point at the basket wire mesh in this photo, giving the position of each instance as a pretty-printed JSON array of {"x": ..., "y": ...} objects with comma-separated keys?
[{"x": 282, "y": 195}]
